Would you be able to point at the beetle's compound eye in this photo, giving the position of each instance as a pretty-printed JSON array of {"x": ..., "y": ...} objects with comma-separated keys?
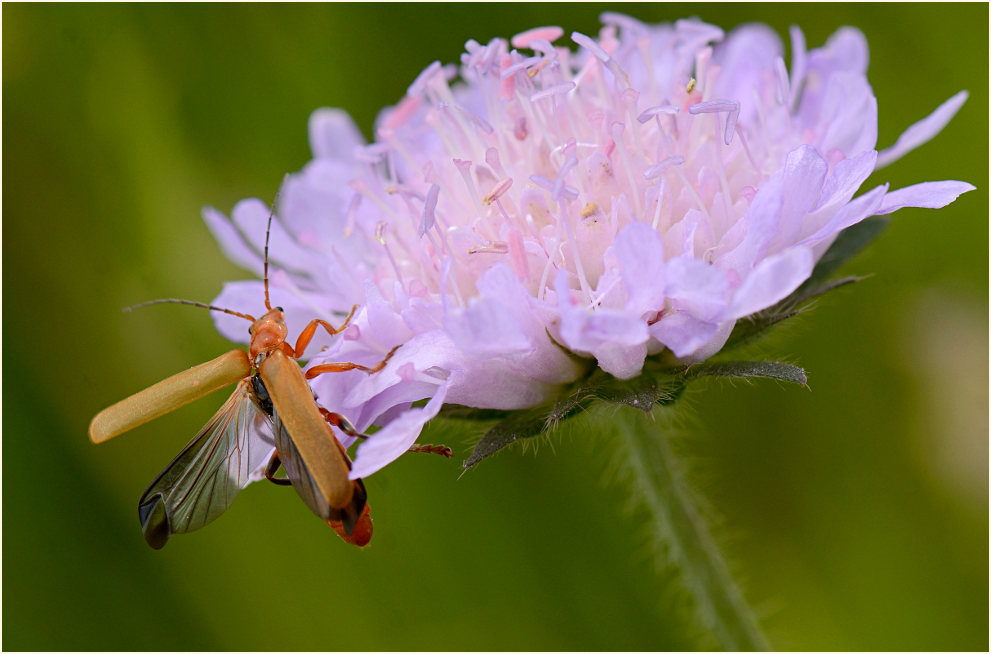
[{"x": 281, "y": 309}]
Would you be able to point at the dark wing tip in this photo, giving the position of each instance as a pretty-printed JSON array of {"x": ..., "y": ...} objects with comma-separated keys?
[
  {"x": 154, "y": 522},
  {"x": 349, "y": 515}
]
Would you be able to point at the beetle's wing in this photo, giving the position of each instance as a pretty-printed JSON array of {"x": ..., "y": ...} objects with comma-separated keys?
[
  {"x": 315, "y": 461},
  {"x": 302, "y": 478},
  {"x": 224, "y": 457}
]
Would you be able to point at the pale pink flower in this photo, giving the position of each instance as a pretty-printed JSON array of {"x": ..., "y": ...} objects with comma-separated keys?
[{"x": 541, "y": 210}]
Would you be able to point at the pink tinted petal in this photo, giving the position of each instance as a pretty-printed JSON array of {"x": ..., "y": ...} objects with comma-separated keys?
[
  {"x": 927, "y": 195},
  {"x": 389, "y": 443},
  {"x": 333, "y": 134},
  {"x": 773, "y": 279},
  {"x": 922, "y": 131}
]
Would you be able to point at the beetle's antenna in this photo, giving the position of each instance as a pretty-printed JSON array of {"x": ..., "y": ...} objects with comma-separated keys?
[
  {"x": 268, "y": 231},
  {"x": 191, "y": 303}
]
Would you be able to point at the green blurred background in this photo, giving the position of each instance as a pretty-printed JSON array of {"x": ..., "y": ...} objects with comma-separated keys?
[{"x": 855, "y": 515}]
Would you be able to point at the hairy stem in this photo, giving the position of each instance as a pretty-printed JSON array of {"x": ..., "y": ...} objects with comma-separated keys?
[{"x": 681, "y": 536}]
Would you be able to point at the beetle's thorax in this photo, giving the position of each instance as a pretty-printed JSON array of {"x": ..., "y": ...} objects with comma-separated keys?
[{"x": 267, "y": 333}]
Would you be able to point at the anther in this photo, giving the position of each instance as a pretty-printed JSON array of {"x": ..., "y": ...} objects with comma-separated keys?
[
  {"x": 498, "y": 191},
  {"x": 650, "y": 112},
  {"x": 730, "y": 107}
]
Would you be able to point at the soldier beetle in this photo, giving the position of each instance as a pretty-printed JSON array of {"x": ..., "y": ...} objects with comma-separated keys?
[{"x": 270, "y": 420}]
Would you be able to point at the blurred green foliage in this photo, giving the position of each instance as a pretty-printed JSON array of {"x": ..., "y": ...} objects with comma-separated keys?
[{"x": 856, "y": 515}]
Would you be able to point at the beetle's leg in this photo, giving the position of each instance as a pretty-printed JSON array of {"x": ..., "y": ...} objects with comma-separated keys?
[
  {"x": 272, "y": 468},
  {"x": 342, "y": 423},
  {"x": 306, "y": 335},
  {"x": 345, "y": 366}
]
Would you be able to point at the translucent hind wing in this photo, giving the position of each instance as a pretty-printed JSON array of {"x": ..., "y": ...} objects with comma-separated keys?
[{"x": 203, "y": 480}]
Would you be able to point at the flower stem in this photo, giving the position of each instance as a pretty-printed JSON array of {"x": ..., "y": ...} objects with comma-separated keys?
[{"x": 681, "y": 535}]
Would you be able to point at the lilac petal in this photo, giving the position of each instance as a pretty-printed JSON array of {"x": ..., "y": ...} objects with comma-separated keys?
[
  {"x": 927, "y": 195},
  {"x": 698, "y": 288},
  {"x": 389, "y": 443},
  {"x": 804, "y": 174},
  {"x": 616, "y": 339},
  {"x": 486, "y": 329},
  {"x": 759, "y": 226},
  {"x": 773, "y": 279},
  {"x": 640, "y": 251},
  {"x": 333, "y": 134},
  {"x": 622, "y": 362},
  {"x": 848, "y": 119},
  {"x": 497, "y": 322},
  {"x": 386, "y": 324},
  {"x": 244, "y": 297},
  {"x": 248, "y": 297},
  {"x": 798, "y": 62},
  {"x": 922, "y": 131},
  {"x": 590, "y": 330},
  {"x": 682, "y": 333},
  {"x": 864, "y": 206},
  {"x": 494, "y": 384},
  {"x": 845, "y": 51},
  {"x": 232, "y": 244},
  {"x": 747, "y": 53},
  {"x": 251, "y": 219},
  {"x": 847, "y": 177}
]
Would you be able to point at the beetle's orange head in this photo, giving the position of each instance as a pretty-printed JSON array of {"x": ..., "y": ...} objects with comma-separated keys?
[{"x": 267, "y": 333}]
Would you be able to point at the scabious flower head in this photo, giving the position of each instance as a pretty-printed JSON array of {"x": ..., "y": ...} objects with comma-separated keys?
[{"x": 553, "y": 204}]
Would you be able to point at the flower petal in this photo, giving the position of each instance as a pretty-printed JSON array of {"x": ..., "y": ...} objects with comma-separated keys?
[
  {"x": 922, "y": 131},
  {"x": 389, "y": 443},
  {"x": 333, "y": 134},
  {"x": 682, "y": 333},
  {"x": 231, "y": 242},
  {"x": 773, "y": 279},
  {"x": 927, "y": 195},
  {"x": 640, "y": 251}
]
